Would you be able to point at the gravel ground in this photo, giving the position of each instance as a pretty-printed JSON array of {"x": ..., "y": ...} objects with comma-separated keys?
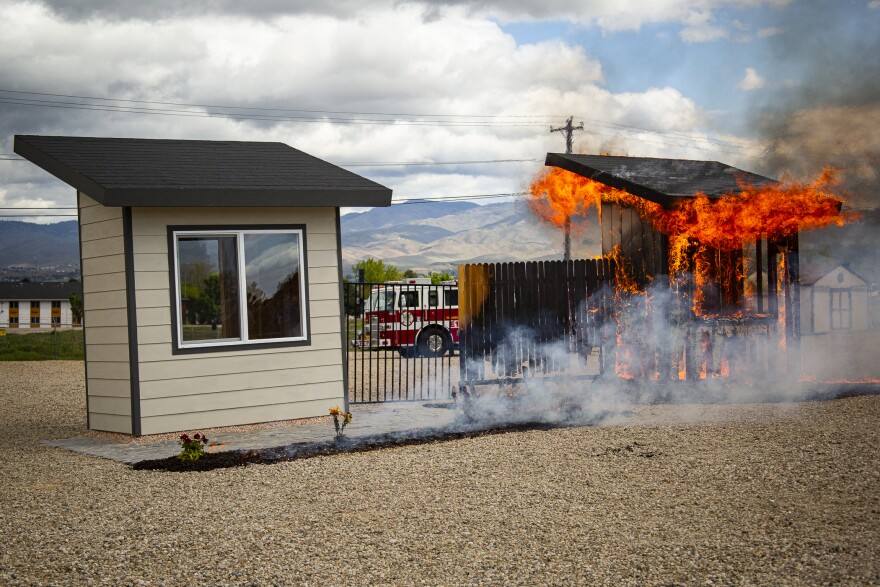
[{"x": 768, "y": 494}]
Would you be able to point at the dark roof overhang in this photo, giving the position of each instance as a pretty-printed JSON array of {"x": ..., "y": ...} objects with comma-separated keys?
[
  {"x": 162, "y": 172},
  {"x": 664, "y": 181},
  {"x": 39, "y": 290}
]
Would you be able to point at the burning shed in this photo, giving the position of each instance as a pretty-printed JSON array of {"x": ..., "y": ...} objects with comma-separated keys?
[
  {"x": 722, "y": 240},
  {"x": 211, "y": 278},
  {"x": 641, "y": 204}
]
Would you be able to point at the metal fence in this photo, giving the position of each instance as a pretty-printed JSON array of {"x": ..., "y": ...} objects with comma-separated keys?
[
  {"x": 402, "y": 341},
  {"x": 63, "y": 342}
]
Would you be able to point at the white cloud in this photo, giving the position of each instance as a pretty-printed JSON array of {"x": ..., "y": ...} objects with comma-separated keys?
[
  {"x": 699, "y": 28},
  {"x": 751, "y": 81},
  {"x": 387, "y": 60},
  {"x": 874, "y": 4},
  {"x": 769, "y": 32}
]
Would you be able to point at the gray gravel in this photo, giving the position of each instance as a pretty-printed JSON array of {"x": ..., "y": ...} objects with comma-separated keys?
[{"x": 768, "y": 494}]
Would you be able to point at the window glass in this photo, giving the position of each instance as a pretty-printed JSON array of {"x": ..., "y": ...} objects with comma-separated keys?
[
  {"x": 450, "y": 297},
  {"x": 209, "y": 288},
  {"x": 56, "y": 304},
  {"x": 240, "y": 286},
  {"x": 272, "y": 274},
  {"x": 432, "y": 298},
  {"x": 13, "y": 305},
  {"x": 409, "y": 299},
  {"x": 381, "y": 300},
  {"x": 35, "y": 305}
]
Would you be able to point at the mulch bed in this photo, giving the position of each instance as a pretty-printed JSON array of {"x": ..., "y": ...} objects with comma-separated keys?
[{"x": 307, "y": 450}]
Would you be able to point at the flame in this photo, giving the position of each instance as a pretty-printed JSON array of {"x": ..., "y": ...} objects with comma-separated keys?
[
  {"x": 624, "y": 273},
  {"x": 556, "y": 195},
  {"x": 773, "y": 211},
  {"x": 707, "y": 241},
  {"x": 727, "y": 223}
]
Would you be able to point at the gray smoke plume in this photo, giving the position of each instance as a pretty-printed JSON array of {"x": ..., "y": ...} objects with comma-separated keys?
[{"x": 832, "y": 116}]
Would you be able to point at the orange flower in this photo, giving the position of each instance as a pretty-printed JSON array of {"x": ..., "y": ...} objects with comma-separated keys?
[{"x": 335, "y": 411}]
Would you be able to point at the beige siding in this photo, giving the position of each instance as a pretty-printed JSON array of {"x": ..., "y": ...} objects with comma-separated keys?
[
  {"x": 234, "y": 416},
  {"x": 106, "y": 321},
  {"x": 191, "y": 391}
]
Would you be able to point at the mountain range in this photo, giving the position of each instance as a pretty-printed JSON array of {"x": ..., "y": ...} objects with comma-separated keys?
[{"x": 438, "y": 236}]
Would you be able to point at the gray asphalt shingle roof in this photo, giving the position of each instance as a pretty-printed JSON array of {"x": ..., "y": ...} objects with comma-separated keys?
[
  {"x": 164, "y": 172},
  {"x": 39, "y": 290},
  {"x": 658, "y": 180}
]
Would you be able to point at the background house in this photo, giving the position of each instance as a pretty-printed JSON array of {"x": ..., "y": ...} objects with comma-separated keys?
[
  {"x": 37, "y": 304},
  {"x": 833, "y": 299},
  {"x": 211, "y": 277}
]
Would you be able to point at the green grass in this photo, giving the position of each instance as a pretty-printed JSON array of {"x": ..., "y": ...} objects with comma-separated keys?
[{"x": 42, "y": 346}]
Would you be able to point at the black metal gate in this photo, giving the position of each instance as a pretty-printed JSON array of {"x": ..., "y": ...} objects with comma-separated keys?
[{"x": 401, "y": 341}]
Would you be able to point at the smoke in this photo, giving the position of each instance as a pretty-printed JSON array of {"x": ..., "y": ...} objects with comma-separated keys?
[
  {"x": 732, "y": 359},
  {"x": 830, "y": 117}
]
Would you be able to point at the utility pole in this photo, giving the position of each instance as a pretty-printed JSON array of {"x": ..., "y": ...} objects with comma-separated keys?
[{"x": 568, "y": 130}]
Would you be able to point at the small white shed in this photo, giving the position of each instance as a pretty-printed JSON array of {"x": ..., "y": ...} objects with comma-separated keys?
[
  {"x": 211, "y": 275},
  {"x": 833, "y": 300}
]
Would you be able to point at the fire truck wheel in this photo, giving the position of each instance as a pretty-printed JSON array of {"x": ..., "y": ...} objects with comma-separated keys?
[{"x": 433, "y": 342}]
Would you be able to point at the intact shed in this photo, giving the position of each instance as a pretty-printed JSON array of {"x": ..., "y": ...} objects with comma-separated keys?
[{"x": 211, "y": 278}]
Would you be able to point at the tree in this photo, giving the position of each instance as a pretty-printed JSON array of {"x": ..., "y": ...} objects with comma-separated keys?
[
  {"x": 438, "y": 278},
  {"x": 207, "y": 305},
  {"x": 409, "y": 273},
  {"x": 376, "y": 271},
  {"x": 76, "y": 308}
]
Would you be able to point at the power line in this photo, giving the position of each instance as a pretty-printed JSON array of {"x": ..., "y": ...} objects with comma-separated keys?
[
  {"x": 192, "y": 105},
  {"x": 429, "y": 164},
  {"x": 36, "y": 215},
  {"x": 404, "y": 200},
  {"x": 233, "y": 116},
  {"x": 522, "y": 120}
]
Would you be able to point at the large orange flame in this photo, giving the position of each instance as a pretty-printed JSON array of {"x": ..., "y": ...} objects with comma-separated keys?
[
  {"x": 773, "y": 211},
  {"x": 726, "y": 223}
]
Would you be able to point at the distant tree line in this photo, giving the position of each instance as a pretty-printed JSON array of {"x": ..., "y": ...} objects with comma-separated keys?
[{"x": 377, "y": 271}]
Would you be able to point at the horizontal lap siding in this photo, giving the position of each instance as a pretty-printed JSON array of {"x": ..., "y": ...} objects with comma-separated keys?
[
  {"x": 185, "y": 392},
  {"x": 104, "y": 300}
]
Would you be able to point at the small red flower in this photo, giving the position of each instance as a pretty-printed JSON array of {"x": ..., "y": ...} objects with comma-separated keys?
[
  {"x": 197, "y": 436},
  {"x": 205, "y": 439},
  {"x": 184, "y": 438}
]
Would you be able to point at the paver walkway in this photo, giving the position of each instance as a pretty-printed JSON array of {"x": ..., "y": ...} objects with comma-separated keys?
[{"x": 368, "y": 419}]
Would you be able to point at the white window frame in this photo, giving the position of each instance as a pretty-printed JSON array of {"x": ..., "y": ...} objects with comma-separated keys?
[{"x": 242, "y": 288}]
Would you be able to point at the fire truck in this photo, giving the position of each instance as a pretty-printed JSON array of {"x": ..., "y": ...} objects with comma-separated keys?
[{"x": 412, "y": 316}]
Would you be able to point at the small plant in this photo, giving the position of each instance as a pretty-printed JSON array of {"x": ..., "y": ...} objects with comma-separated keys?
[
  {"x": 346, "y": 418},
  {"x": 192, "y": 449}
]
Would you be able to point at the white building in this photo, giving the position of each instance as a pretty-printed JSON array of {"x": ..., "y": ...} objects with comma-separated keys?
[
  {"x": 37, "y": 304},
  {"x": 833, "y": 301}
]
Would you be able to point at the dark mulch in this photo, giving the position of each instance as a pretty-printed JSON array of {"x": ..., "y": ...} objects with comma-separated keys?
[{"x": 307, "y": 450}]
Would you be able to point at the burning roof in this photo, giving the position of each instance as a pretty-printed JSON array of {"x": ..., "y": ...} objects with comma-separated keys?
[{"x": 662, "y": 181}]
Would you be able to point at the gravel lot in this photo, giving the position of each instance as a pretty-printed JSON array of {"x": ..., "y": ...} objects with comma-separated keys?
[{"x": 769, "y": 494}]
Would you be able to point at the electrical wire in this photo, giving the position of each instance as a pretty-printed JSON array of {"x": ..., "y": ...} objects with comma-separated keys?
[
  {"x": 493, "y": 119},
  {"x": 405, "y": 200}
]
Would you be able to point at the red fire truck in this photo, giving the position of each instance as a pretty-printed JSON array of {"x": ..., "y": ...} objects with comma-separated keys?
[{"x": 413, "y": 316}]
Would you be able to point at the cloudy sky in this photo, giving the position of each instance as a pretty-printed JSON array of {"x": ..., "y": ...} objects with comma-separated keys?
[{"x": 459, "y": 96}]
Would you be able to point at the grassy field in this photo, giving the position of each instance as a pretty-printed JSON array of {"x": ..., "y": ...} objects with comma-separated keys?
[{"x": 41, "y": 346}]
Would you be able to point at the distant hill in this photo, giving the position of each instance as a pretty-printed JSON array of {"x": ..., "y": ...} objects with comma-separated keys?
[
  {"x": 23, "y": 243},
  {"x": 438, "y": 236}
]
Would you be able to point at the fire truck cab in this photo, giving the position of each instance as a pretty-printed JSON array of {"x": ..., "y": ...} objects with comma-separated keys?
[{"x": 413, "y": 316}]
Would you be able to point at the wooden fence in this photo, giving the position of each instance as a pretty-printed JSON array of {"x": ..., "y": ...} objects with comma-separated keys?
[{"x": 511, "y": 313}]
